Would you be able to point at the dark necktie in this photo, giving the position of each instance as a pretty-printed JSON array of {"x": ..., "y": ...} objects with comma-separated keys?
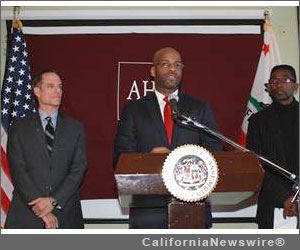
[
  {"x": 168, "y": 120},
  {"x": 49, "y": 132}
]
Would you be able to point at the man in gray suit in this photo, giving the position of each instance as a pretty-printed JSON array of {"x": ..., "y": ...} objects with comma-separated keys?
[{"x": 47, "y": 159}]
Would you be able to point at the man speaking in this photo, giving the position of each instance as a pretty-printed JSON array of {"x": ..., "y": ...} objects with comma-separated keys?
[{"x": 147, "y": 125}]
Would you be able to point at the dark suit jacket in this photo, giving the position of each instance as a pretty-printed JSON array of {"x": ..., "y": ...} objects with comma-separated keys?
[
  {"x": 35, "y": 174},
  {"x": 141, "y": 128},
  {"x": 266, "y": 137}
]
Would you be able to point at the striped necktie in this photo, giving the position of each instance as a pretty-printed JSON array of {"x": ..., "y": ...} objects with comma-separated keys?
[{"x": 49, "y": 132}]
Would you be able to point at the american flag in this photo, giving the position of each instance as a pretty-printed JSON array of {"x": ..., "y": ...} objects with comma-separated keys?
[{"x": 17, "y": 100}]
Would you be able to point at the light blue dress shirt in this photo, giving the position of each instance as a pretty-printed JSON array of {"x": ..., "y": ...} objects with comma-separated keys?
[{"x": 43, "y": 116}]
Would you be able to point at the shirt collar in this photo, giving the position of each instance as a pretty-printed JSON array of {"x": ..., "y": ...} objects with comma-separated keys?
[
  {"x": 160, "y": 96},
  {"x": 53, "y": 116}
]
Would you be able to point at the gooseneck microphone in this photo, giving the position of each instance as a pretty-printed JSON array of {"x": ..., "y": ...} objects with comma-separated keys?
[
  {"x": 174, "y": 108},
  {"x": 185, "y": 121}
]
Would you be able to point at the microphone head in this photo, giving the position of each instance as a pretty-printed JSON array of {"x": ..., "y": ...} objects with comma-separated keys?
[
  {"x": 174, "y": 108},
  {"x": 175, "y": 98}
]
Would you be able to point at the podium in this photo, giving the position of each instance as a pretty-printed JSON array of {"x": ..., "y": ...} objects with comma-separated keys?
[{"x": 140, "y": 174}]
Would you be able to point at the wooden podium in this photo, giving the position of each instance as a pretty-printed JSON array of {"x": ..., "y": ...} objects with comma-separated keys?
[{"x": 140, "y": 174}]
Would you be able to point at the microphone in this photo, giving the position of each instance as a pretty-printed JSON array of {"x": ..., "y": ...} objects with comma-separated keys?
[
  {"x": 174, "y": 108},
  {"x": 189, "y": 122}
]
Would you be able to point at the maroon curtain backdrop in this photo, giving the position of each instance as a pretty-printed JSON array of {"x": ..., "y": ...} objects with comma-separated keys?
[{"x": 218, "y": 68}]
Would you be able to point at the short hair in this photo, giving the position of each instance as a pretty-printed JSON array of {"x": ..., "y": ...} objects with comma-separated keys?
[
  {"x": 285, "y": 67},
  {"x": 39, "y": 76}
]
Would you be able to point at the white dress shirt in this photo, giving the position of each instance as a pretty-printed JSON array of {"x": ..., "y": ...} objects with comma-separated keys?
[{"x": 160, "y": 98}]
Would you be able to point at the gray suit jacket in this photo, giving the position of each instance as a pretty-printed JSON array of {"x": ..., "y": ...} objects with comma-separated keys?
[{"x": 35, "y": 174}]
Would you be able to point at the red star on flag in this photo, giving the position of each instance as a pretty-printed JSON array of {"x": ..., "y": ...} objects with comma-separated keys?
[{"x": 266, "y": 48}]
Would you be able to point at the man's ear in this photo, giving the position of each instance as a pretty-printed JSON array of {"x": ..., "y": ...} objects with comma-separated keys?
[
  {"x": 36, "y": 91},
  {"x": 152, "y": 71},
  {"x": 296, "y": 86}
]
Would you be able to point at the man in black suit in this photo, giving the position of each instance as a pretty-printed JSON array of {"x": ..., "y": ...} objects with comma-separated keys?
[
  {"x": 47, "y": 160},
  {"x": 146, "y": 125},
  {"x": 274, "y": 133}
]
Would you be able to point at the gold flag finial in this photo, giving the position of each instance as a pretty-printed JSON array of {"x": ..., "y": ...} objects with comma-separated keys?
[
  {"x": 267, "y": 15},
  {"x": 267, "y": 26},
  {"x": 16, "y": 21}
]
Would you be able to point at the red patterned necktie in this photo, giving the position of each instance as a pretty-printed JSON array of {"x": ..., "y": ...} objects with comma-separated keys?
[{"x": 168, "y": 119}]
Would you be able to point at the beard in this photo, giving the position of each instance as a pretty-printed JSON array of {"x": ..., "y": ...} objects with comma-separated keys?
[
  {"x": 169, "y": 81},
  {"x": 282, "y": 95}
]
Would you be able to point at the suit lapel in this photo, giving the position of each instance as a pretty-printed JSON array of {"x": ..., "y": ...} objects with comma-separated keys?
[
  {"x": 155, "y": 116},
  {"x": 39, "y": 132},
  {"x": 41, "y": 139},
  {"x": 183, "y": 107},
  {"x": 59, "y": 132}
]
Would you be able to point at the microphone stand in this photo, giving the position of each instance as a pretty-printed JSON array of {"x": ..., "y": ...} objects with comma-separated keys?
[{"x": 185, "y": 120}]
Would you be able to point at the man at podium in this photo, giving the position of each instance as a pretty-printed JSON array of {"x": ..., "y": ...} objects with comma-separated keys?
[{"x": 147, "y": 125}]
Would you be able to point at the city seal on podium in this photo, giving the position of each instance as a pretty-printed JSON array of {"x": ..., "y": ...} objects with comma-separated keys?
[{"x": 190, "y": 173}]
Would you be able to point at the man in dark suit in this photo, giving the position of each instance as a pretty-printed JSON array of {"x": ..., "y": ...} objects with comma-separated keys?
[
  {"x": 47, "y": 160},
  {"x": 146, "y": 125},
  {"x": 274, "y": 133}
]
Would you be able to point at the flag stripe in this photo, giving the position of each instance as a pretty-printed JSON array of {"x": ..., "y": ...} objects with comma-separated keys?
[
  {"x": 3, "y": 138},
  {"x": 6, "y": 185},
  {"x": 4, "y": 164},
  {"x": 5, "y": 202},
  {"x": 3, "y": 218},
  {"x": 242, "y": 138}
]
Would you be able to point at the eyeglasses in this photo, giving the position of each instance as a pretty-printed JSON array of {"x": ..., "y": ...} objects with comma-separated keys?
[
  {"x": 165, "y": 64},
  {"x": 283, "y": 80}
]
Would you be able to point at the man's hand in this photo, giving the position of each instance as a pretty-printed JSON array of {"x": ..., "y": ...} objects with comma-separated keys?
[
  {"x": 50, "y": 221},
  {"x": 289, "y": 209},
  {"x": 41, "y": 206},
  {"x": 160, "y": 150}
]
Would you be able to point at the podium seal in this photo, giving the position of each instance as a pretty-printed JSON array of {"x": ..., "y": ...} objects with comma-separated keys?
[{"x": 190, "y": 173}]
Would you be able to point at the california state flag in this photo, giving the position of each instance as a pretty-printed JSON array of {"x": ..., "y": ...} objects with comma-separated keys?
[{"x": 269, "y": 58}]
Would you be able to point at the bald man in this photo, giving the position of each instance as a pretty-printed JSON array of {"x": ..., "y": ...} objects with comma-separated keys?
[{"x": 146, "y": 127}]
